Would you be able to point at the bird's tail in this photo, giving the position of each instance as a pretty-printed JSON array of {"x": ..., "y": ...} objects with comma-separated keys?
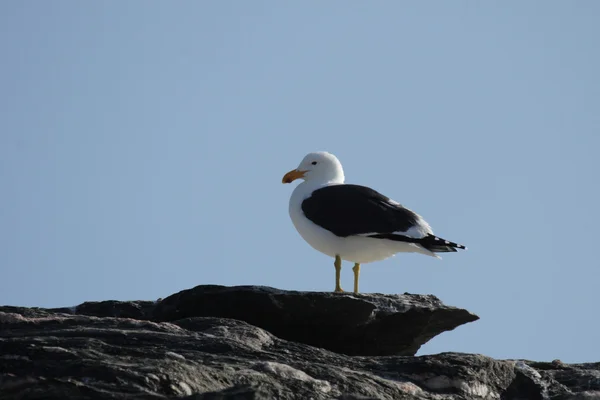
[
  {"x": 439, "y": 245},
  {"x": 431, "y": 243}
]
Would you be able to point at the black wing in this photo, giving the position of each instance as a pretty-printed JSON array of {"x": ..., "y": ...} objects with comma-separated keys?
[{"x": 353, "y": 209}]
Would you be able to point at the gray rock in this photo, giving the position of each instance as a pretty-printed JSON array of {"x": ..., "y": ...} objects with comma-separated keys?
[
  {"x": 363, "y": 324},
  {"x": 62, "y": 354}
]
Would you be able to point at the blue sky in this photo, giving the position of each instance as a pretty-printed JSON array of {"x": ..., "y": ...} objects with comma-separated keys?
[{"x": 142, "y": 146}]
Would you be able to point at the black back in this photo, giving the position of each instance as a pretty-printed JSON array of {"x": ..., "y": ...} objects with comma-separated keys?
[{"x": 353, "y": 209}]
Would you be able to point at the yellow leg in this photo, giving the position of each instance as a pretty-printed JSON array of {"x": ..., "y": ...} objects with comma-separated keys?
[
  {"x": 338, "y": 269},
  {"x": 356, "y": 270}
]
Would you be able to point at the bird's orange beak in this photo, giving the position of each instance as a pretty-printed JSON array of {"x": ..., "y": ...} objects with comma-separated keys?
[{"x": 292, "y": 176}]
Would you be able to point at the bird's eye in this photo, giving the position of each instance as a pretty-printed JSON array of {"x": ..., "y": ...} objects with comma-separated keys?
[{"x": 314, "y": 163}]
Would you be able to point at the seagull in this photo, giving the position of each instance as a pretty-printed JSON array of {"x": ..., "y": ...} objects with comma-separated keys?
[{"x": 353, "y": 222}]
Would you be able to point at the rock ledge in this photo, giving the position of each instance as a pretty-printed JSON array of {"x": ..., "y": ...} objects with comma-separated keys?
[
  {"x": 363, "y": 324},
  {"x": 174, "y": 349}
]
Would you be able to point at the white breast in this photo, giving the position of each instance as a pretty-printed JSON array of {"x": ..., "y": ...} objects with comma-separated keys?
[{"x": 319, "y": 238}]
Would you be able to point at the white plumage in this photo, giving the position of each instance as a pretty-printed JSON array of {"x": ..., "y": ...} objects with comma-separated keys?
[{"x": 354, "y": 223}]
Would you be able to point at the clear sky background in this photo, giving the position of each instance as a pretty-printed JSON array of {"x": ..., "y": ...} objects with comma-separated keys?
[{"x": 142, "y": 146}]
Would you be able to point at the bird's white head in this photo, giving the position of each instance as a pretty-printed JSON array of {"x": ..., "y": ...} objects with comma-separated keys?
[{"x": 318, "y": 167}]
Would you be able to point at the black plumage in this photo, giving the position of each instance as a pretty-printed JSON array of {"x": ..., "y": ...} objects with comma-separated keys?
[{"x": 347, "y": 210}]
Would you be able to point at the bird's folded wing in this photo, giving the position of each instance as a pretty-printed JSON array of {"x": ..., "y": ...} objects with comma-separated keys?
[{"x": 349, "y": 210}]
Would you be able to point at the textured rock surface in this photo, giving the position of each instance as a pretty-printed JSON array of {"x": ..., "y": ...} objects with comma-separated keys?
[
  {"x": 119, "y": 353},
  {"x": 363, "y": 324}
]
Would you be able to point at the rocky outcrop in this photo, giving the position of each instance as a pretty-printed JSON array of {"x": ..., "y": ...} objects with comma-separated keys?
[
  {"x": 352, "y": 324},
  {"x": 165, "y": 349},
  {"x": 363, "y": 324}
]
